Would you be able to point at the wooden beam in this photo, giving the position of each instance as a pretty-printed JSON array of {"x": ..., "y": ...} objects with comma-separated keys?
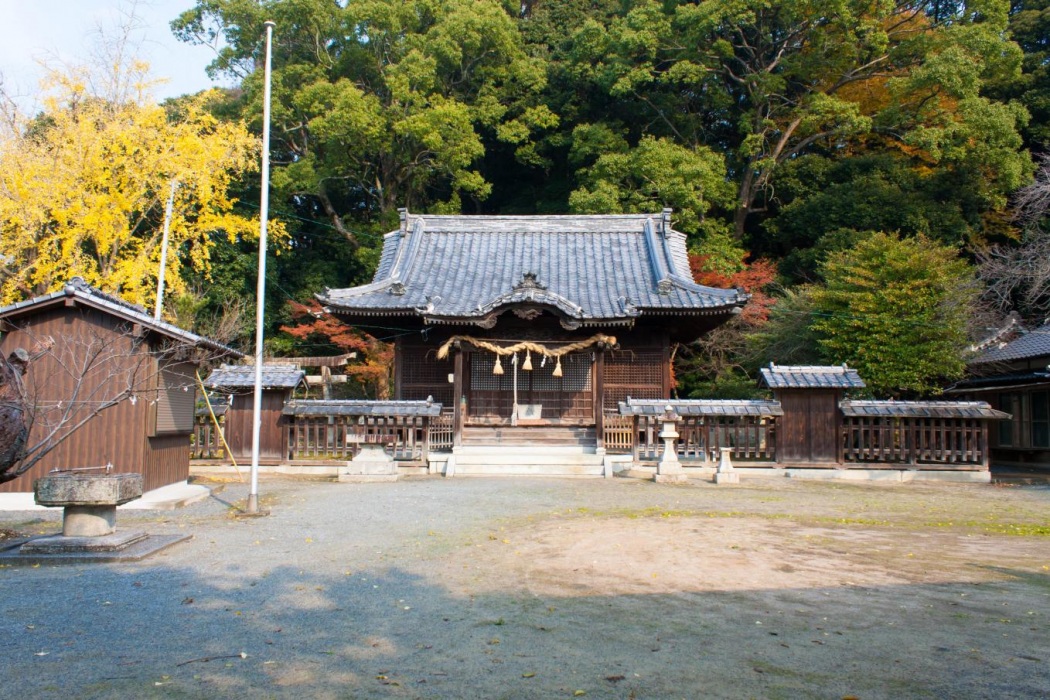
[
  {"x": 599, "y": 398},
  {"x": 458, "y": 399}
]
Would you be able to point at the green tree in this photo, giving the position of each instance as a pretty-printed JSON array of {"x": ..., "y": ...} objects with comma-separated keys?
[
  {"x": 897, "y": 310},
  {"x": 380, "y": 103},
  {"x": 767, "y": 82}
]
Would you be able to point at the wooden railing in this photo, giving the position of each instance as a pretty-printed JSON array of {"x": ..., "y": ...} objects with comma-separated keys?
[
  {"x": 752, "y": 438},
  {"x": 441, "y": 431},
  {"x": 340, "y": 437},
  {"x": 205, "y": 442},
  {"x": 618, "y": 432},
  {"x": 952, "y": 441}
]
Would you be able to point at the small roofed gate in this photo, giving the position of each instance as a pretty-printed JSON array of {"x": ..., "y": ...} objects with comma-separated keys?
[
  {"x": 238, "y": 382},
  {"x": 810, "y": 429}
]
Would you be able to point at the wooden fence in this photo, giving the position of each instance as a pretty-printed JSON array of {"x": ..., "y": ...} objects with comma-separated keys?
[
  {"x": 938, "y": 441},
  {"x": 339, "y": 437},
  {"x": 700, "y": 438},
  {"x": 205, "y": 442}
]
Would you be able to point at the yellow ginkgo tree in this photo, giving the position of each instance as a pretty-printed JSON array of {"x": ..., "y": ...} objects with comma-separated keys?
[{"x": 84, "y": 184}]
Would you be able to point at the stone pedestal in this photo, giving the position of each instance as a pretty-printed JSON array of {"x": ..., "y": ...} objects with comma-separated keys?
[
  {"x": 669, "y": 469},
  {"x": 372, "y": 463},
  {"x": 89, "y": 522},
  {"x": 726, "y": 474},
  {"x": 89, "y": 501}
]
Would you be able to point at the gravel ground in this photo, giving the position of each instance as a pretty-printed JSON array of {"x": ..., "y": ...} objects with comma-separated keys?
[{"x": 511, "y": 588}]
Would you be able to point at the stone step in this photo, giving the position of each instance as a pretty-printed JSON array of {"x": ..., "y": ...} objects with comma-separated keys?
[
  {"x": 529, "y": 436},
  {"x": 561, "y": 470},
  {"x": 536, "y": 457}
]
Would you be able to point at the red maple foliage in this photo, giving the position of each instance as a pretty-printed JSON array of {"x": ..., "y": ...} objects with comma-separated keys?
[
  {"x": 372, "y": 369},
  {"x": 753, "y": 278}
]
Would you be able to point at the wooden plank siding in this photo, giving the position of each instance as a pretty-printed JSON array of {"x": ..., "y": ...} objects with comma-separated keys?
[
  {"x": 809, "y": 432},
  {"x": 272, "y": 427},
  {"x": 167, "y": 461},
  {"x": 117, "y": 435}
]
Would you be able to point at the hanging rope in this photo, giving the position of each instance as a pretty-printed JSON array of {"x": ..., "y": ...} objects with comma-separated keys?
[{"x": 442, "y": 352}]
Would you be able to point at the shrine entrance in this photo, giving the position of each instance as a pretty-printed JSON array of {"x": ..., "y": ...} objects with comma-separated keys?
[{"x": 541, "y": 397}]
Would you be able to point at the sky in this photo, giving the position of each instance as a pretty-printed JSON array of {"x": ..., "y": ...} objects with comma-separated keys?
[{"x": 65, "y": 31}]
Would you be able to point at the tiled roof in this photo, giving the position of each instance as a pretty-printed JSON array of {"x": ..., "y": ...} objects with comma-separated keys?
[
  {"x": 811, "y": 377},
  {"x": 701, "y": 407},
  {"x": 999, "y": 381},
  {"x": 1032, "y": 344},
  {"x": 243, "y": 376},
  {"x": 921, "y": 409},
  {"x": 81, "y": 291},
  {"x": 320, "y": 407},
  {"x": 593, "y": 269}
]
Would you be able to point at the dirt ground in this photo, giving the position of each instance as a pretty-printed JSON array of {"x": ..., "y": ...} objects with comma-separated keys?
[{"x": 506, "y": 588}]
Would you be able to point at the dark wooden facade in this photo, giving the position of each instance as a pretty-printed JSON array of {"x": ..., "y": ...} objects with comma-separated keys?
[
  {"x": 272, "y": 428},
  {"x": 593, "y": 382},
  {"x": 103, "y": 350},
  {"x": 810, "y": 429},
  {"x": 1012, "y": 373}
]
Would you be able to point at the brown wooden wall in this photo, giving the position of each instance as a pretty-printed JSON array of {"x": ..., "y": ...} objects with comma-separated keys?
[
  {"x": 809, "y": 430},
  {"x": 273, "y": 436},
  {"x": 167, "y": 461},
  {"x": 118, "y": 434}
]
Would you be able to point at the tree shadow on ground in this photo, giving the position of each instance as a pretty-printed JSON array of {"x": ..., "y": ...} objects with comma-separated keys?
[{"x": 169, "y": 631}]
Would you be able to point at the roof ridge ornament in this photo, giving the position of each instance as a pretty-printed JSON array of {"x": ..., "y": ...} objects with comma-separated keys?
[{"x": 529, "y": 280}]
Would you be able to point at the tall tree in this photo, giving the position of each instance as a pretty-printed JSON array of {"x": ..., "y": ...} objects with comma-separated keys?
[
  {"x": 83, "y": 188},
  {"x": 380, "y": 104},
  {"x": 769, "y": 81},
  {"x": 897, "y": 310}
]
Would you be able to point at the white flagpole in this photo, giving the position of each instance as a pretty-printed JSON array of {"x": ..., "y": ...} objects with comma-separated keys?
[
  {"x": 260, "y": 307},
  {"x": 164, "y": 250}
]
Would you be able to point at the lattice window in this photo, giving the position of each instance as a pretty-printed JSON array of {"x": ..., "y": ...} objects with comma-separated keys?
[
  {"x": 576, "y": 374},
  {"x": 638, "y": 374}
]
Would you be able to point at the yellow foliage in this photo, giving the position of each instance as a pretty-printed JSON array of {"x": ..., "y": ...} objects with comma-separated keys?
[{"x": 83, "y": 189}]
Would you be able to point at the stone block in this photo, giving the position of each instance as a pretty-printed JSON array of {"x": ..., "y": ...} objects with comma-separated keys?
[{"x": 87, "y": 489}]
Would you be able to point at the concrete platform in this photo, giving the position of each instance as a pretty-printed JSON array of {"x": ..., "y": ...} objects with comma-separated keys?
[{"x": 54, "y": 549}]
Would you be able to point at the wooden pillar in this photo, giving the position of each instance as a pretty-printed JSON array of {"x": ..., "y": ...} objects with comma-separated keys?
[
  {"x": 599, "y": 397},
  {"x": 665, "y": 378},
  {"x": 458, "y": 398}
]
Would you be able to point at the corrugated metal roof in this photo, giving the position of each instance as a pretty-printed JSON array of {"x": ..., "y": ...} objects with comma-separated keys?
[
  {"x": 243, "y": 376},
  {"x": 320, "y": 407},
  {"x": 811, "y": 377},
  {"x": 1032, "y": 344},
  {"x": 701, "y": 407},
  {"x": 80, "y": 290},
  {"x": 591, "y": 268},
  {"x": 922, "y": 409}
]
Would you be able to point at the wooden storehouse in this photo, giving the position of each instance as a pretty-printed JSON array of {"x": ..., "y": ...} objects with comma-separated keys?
[
  {"x": 237, "y": 383},
  {"x": 119, "y": 382},
  {"x": 532, "y": 328}
]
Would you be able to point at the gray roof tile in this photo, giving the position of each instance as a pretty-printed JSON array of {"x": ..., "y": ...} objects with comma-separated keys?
[
  {"x": 243, "y": 376},
  {"x": 593, "y": 268},
  {"x": 80, "y": 290},
  {"x": 701, "y": 407},
  {"x": 811, "y": 377},
  {"x": 1032, "y": 344},
  {"x": 921, "y": 409},
  {"x": 320, "y": 407}
]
